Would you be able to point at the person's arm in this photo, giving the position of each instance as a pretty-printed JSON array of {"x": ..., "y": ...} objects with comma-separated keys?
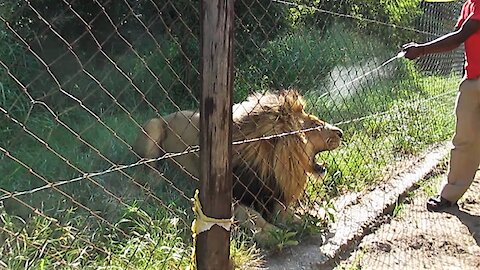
[{"x": 445, "y": 43}]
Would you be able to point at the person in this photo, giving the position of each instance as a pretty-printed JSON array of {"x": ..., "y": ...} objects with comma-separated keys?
[{"x": 465, "y": 154}]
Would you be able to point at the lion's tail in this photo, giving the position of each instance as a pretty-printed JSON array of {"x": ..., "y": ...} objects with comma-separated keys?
[{"x": 149, "y": 140}]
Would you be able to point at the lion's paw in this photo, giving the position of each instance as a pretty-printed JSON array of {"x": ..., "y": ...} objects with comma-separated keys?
[
  {"x": 276, "y": 239},
  {"x": 288, "y": 219},
  {"x": 266, "y": 236}
]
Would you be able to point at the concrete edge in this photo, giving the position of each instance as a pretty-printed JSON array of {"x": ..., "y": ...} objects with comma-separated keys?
[{"x": 353, "y": 222}]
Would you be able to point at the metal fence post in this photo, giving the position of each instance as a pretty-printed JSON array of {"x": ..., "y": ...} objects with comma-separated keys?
[{"x": 217, "y": 17}]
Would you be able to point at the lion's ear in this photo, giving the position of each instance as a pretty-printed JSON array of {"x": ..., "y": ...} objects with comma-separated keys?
[{"x": 294, "y": 102}]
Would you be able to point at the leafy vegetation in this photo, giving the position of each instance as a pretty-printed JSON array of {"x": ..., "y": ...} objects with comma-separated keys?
[{"x": 66, "y": 112}]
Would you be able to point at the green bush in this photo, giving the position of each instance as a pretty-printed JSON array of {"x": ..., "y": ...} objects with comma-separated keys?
[{"x": 399, "y": 13}]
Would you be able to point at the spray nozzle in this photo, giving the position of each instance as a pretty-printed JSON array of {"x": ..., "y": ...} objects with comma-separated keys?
[{"x": 401, "y": 54}]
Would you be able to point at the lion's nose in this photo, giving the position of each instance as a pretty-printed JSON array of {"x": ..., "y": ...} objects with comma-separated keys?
[{"x": 335, "y": 129}]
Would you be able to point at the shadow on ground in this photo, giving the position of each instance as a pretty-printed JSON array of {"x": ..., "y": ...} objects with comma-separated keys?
[{"x": 472, "y": 221}]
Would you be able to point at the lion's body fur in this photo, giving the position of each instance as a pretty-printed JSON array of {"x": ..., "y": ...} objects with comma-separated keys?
[{"x": 173, "y": 133}]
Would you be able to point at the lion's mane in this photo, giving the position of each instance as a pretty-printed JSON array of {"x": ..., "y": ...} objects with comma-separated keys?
[{"x": 275, "y": 168}]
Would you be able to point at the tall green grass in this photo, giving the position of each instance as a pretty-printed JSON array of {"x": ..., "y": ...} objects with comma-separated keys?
[
  {"x": 154, "y": 242},
  {"x": 304, "y": 59},
  {"x": 382, "y": 137}
]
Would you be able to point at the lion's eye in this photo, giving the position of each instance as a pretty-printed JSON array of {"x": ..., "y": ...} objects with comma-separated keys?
[{"x": 311, "y": 124}]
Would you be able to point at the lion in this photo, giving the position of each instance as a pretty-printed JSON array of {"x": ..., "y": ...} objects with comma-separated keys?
[{"x": 274, "y": 152}]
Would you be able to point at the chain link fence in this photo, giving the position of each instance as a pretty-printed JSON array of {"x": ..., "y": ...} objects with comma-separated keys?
[{"x": 90, "y": 94}]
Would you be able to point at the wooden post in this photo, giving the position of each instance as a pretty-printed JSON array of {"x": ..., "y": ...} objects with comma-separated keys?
[{"x": 217, "y": 19}]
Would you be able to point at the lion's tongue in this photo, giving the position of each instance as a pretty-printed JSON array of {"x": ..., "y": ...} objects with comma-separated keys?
[{"x": 319, "y": 168}]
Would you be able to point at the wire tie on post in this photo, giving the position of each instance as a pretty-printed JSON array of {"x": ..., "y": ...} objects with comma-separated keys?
[{"x": 203, "y": 223}]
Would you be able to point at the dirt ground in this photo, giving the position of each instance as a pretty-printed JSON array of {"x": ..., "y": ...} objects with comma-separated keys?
[{"x": 418, "y": 239}]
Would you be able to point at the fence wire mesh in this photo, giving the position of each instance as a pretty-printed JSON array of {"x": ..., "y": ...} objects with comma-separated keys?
[{"x": 90, "y": 94}]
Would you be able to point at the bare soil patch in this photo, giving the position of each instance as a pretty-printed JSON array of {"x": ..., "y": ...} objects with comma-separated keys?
[{"x": 418, "y": 239}]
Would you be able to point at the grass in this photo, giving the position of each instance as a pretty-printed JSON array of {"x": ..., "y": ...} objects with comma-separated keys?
[
  {"x": 244, "y": 255},
  {"x": 430, "y": 184},
  {"x": 399, "y": 209},
  {"x": 153, "y": 242},
  {"x": 355, "y": 265},
  {"x": 135, "y": 220},
  {"x": 377, "y": 141}
]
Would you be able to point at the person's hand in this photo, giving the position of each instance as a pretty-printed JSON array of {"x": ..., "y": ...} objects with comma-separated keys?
[{"x": 412, "y": 50}]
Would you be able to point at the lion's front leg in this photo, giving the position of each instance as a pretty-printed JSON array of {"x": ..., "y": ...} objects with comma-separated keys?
[
  {"x": 285, "y": 216},
  {"x": 252, "y": 220}
]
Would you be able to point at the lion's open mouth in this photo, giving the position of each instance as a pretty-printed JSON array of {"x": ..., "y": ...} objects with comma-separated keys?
[{"x": 318, "y": 168}]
